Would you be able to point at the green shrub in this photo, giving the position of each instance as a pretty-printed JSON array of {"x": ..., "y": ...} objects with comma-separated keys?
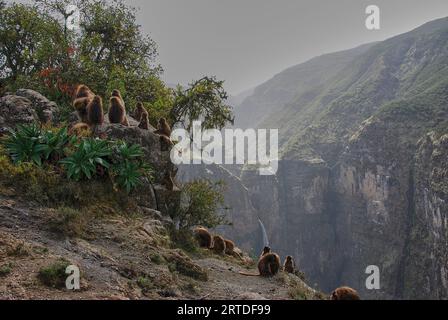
[
  {"x": 83, "y": 163},
  {"x": 128, "y": 167},
  {"x": 55, "y": 143},
  {"x": 24, "y": 144},
  {"x": 29, "y": 143},
  {"x": 202, "y": 200},
  {"x": 5, "y": 269},
  {"x": 54, "y": 275},
  {"x": 145, "y": 284},
  {"x": 82, "y": 159}
]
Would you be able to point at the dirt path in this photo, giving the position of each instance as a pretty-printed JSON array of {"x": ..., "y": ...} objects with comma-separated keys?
[{"x": 123, "y": 258}]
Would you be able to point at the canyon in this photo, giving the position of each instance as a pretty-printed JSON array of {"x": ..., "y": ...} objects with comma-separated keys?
[{"x": 362, "y": 178}]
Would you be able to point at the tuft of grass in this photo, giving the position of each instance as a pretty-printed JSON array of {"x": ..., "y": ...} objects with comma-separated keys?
[
  {"x": 5, "y": 269},
  {"x": 54, "y": 275},
  {"x": 70, "y": 222},
  {"x": 297, "y": 294},
  {"x": 145, "y": 284},
  {"x": 185, "y": 266},
  {"x": 20, "y": 250},
  {"x": 156, "y": 258}
]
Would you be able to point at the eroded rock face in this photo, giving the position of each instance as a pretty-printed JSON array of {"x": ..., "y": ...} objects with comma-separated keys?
[{"x": 426, "y": 266}]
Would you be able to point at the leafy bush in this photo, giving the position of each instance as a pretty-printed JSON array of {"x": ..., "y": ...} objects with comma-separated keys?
[
  {"x": 82, "y": 159},
  {"x": 55, "y": 143},
  {"x": 83, "y": 163},
  {"x": 29, "y": 143},
  {"x": 24, "y": 144},
  {"x": 128, "y": 168},
  {"x": 201, "y": 202}
]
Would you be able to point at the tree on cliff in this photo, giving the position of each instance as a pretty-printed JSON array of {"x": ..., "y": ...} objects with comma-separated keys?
[{"x": 204, "y": 100}]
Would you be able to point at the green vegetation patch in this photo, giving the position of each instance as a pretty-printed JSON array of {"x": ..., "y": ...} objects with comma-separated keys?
[{"x": 54, "y": 275}]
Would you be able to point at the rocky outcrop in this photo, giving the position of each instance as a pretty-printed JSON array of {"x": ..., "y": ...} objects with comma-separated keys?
[
  {"x": 46, "y": 110},
  {"x": 24, "y": 107},
  {"x": 15, "y": 110}
]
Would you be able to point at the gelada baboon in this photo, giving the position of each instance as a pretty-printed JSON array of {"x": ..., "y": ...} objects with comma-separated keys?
[
  {"x": 265, "y": 251},
  {"x": 139, "y": 111},
  {"x": 95, "y": 114},
  {"x": 82, "y": 97},
  {"x": 80, "y": 129},
  {"x": 163, "y": 128},
  {"x": 230, "y": 248},
  {"x": 117, "y": 93},
  {"x": 219, "y": 245},
  {"x": 289, "y": 265},
  {"x": 144, "y": 122},
  {"x": 203, "y": 236},
  {"x": 344, "y": 293},
  {"x": 268, "y": 265},
  {"x": 117, "y": 111}
]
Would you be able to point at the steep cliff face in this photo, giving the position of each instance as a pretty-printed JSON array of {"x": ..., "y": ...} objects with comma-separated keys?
[{"x": 427, "y": 262}]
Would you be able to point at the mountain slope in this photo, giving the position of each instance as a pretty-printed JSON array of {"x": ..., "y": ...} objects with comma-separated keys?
[
  {"x": 304, "y": 80},
  {"x": 317, "y": 119}
]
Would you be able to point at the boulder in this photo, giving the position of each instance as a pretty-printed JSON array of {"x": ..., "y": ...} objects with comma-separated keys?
[
  {"x": 46, "y": 110},
  {"x": 15, "y": 110}
]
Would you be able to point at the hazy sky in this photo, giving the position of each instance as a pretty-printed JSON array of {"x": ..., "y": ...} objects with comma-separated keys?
[{"x": 246, "y": 42}]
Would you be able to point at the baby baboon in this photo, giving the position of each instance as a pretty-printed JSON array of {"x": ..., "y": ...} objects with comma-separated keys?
[
  {"x": 139, "y": 110},
  {"x": 289, "y": 265},
  {"x": 203, "y": 236},
  {"x": 265, "y": 251},
  {"x": 80, "y": 129},
  {"x": 95, "y": 114},
  {"x": 163, "y": 128},
  {"x": 83, "y": 96},
  {"x": 219, "y": 245},
  {"x": 344, "y": 293},
  {"x": 144, "y": 122},
  {"x": 268, "y": 265},
  {"x": 117, "y": 111}
]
